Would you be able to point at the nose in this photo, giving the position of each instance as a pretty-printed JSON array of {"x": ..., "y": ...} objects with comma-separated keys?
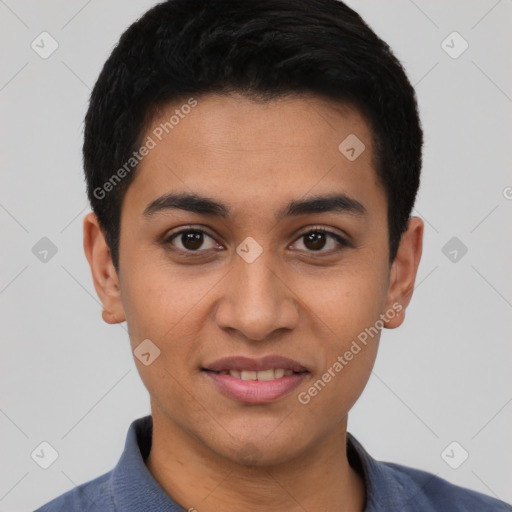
[{"x": 256, "y": 300}]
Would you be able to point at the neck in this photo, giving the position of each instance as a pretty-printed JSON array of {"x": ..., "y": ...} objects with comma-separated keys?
[{"x": 321, "y": 479}]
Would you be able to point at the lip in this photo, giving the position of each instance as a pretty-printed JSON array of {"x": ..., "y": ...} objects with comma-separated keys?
[
  {"x": 251, "y": 364},
  {"x": 255, "y": 391}
]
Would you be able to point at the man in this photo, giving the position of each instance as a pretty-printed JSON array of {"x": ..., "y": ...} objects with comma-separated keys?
[{"x": 252, "y": 167}]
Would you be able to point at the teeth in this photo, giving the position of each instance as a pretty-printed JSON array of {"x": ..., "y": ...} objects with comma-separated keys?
[
  {"x": 265, "y": 375},
  {"x": 278, "y": 373},
  {"x": 269, "y": 374}
]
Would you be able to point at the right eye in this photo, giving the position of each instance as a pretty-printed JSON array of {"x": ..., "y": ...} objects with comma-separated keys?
[{"x": 191, "y": 240}]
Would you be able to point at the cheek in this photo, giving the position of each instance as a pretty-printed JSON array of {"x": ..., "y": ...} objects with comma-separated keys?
[
  {"x": 346, "y": 301},
  {"x": 350, "y": 309},
  {"x": 165, "y": 305},
  {"x": 346, "y": 306},
  {"x": 162, "y": 307},
  {"x": 332, "y": 395},
  {"x": 158, "y": 300}
]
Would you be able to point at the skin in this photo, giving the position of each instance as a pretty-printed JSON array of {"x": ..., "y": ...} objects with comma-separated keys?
[{"x": 210, "y": 451}]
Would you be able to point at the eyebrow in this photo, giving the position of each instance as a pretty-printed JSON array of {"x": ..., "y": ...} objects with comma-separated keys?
[{"x": 203, "y": 205}]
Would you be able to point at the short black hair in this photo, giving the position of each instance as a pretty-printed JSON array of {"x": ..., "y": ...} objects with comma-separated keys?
[{"x": 263, "y": 49}]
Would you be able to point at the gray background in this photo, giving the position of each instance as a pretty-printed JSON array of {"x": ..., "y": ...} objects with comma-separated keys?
[{"x": 69, "y": 379}]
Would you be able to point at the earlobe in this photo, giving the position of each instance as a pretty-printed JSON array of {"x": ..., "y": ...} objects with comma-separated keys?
[
  {"x": 110, "y": 318},
  {"x": 403, "y": 272},
  {"x": 104, "y": 275}
]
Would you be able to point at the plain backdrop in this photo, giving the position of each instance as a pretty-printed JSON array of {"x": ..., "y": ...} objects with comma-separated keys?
[{"x": 69, "y": 379}]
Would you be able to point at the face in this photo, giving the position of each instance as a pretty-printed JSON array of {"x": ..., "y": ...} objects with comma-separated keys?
[{"x": 259, "y": 289}]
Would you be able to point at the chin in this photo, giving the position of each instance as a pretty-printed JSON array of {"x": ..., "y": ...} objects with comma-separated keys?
[{"x": 261, "y": 451}]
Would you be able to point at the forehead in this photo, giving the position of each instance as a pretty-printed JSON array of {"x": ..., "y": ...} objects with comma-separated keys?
[
  {"x": 234, "y": 148},
  {"x": 238, "y": 123}
]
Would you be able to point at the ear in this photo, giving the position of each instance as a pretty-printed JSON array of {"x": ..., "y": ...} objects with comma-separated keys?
[
  {"x": 403, "y": 272},
  {"x": 103, "y": 272}
]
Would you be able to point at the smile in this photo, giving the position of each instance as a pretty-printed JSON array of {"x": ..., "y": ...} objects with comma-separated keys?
[
  {"x": 271, "y": 374},
  {"x": 255, "y": 381}
]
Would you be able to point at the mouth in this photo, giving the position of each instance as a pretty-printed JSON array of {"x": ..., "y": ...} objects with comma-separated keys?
[
  {"x": 264, "y": 375},
  {"x": 255, "y": 381}
]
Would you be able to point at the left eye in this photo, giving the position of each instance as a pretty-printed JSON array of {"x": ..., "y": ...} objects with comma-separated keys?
[{"x": 317, "y": 239}]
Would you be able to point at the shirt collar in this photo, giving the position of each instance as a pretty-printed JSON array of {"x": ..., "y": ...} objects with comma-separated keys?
[{"x": 134, "y": 487}]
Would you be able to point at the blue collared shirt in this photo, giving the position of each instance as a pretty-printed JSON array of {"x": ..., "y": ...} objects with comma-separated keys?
[{"x": 390, "y": 487}]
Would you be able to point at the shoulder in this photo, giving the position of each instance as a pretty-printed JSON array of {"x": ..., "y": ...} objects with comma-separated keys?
[
  {"x": 391, "y": 486},
  {"x": 88, "y": 497},
  {"x": 427, "y": 492}
]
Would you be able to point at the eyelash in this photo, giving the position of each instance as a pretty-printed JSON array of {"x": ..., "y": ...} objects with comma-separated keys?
[{"x": 188, "y": 253}]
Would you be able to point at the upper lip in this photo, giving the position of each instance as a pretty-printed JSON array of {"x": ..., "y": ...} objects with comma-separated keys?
[{"x": 254, "y": 364}]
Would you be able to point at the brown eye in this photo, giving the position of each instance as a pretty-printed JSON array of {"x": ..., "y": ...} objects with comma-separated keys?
[
  {"x": 191, "y": 240},
  {"x": 317, "y": 239}
]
